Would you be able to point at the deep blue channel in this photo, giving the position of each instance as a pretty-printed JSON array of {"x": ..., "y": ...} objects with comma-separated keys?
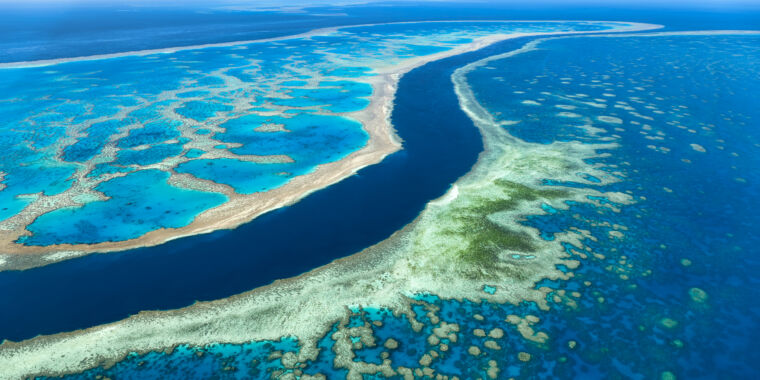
[{"x": 440, "y": 145}]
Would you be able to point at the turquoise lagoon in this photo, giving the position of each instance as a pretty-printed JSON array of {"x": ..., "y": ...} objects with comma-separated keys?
[
  {"x": 77, "y": 136},
  {"x": 127, "y": 214}
]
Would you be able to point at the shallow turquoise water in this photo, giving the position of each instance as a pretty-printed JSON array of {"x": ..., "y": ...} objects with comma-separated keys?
[
  {"x": 201, "y": 111},
  {"x": 144, "y": 200},
  {"x": 309, "y": 139},
  {"x": 246, "y": 177}
]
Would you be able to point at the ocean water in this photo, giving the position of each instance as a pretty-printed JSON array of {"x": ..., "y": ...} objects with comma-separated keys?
[
  {"x": 665, "y": 297},
  {"x": 28, "y": 33},
  {"x": 259, "y": 177},
  {"x": 32, "y": 32},
  {"x": 663, "y": 286},
  {"x": 675, "y": 268}
]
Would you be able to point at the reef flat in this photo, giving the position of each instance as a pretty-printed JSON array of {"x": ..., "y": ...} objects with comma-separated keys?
[{"x": 238, "y": 128}]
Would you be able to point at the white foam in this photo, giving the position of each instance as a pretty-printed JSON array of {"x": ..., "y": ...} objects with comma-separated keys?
[{"x": 447, "y": 198}]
